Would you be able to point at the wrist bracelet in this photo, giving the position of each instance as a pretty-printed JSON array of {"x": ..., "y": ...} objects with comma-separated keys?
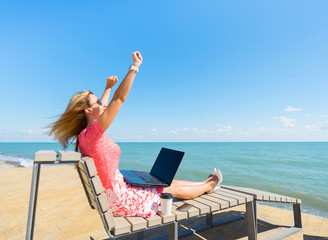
[{"x": 134, "y": 68}]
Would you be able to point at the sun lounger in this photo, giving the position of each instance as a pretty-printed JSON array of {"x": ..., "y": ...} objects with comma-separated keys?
[
  {"x": 115, "y": 227},
  {"x": 205, "y": 205}
]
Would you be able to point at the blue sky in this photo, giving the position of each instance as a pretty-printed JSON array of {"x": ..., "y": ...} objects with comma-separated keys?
[{"x": 212, "y": 70}]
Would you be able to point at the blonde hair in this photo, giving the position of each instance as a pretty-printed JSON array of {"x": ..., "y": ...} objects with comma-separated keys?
[{"x": 72, "y": 121}]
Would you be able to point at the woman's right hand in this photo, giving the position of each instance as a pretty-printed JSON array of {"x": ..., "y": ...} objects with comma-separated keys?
[
  {"x": 111, "y": 81},
  {"x": 137, "y": 59}
]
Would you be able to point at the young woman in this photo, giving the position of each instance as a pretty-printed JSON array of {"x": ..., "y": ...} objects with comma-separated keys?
[{"x": 85, "y": 121}]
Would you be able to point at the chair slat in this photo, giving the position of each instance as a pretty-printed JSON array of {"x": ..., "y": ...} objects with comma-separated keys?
[
  {"x": 91, "y": 167},
  {"x": 262, "y": 195},
  {"x": 248, "y": 198},
  {"x": 97, "y": 185},
  {"x": 223, "y": 204},
  {"x": 110, "y": 220},
  {"x": 259, "y": 195},
  {"x": 272, "y": 198},
  {"x": 45, "y": 156},
  {"x": 203, "y": 208},
  {"x": 192, "y": 212},
  {"x": 69, "y": 156},
  {"x": 240, "y": 199},
  {"x": 232, "y": 201},
  {"x": 137, "y": 223},
  {"x": 213, "y": 205},
  {"x": 104, "y": 204},
  {"x": 280, "y": 198},
  {"x": 178, "y": 214},
  {"x": 165, "y": 219},
  {"x": 154, "y": 221},
  {"x": 121, "y": 226},
  {"x": 256, "y": 195}
]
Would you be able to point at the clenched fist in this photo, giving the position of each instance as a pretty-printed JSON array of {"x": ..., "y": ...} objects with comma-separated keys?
[
  {"x": 137, "y": 59},
  {"x": 111, "y": 81}
]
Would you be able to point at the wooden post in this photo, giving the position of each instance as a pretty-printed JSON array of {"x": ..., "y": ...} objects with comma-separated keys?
[
  {"x": 251, "y": 220},
  {"x": 297, "y": 215},
  {"x": 173, "y": 231},
  {"x": 33, "y": 201}
]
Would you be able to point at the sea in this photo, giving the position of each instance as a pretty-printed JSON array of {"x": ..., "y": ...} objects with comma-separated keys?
[{"x": 295, "y": 169}]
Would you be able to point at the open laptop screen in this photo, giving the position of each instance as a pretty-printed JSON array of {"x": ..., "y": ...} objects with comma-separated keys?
[{"x": 167, "y": 164}]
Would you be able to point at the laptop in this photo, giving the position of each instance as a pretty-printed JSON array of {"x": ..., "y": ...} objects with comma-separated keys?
[{"x": 162, "y": 172}]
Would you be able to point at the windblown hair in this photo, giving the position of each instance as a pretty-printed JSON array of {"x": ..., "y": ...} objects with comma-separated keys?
[{"x": 72, "y": 121}]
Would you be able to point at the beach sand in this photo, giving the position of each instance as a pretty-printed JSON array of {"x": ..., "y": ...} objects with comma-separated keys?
[{"x": 63, "y": 212}]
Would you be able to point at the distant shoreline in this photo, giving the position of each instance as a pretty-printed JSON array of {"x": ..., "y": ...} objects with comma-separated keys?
[{"x": 9, "y": 164}]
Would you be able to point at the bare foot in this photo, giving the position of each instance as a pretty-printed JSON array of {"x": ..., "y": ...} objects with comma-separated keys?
[
  {"x": 212, "y": 182},
  {"x": 208, "y": 178},
  {"x": 212, "y": 173}
]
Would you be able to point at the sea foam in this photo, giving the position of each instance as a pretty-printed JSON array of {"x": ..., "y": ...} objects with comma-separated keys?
[{"x": 26, "y": 162}]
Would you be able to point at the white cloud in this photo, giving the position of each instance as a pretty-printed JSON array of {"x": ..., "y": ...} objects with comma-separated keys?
[
  {"x": 154, "y": 131},
  {"x": 228, "y": 128},
  {"x": 287, "y": 122},
  {"x": 21, "y": 135},
  {"x": 287, "y": 130},
  {"x": 222, "y": 128},
  {"x": 200, "y": 131},
  {"x": 291, "y": 109},
  {"x": 45, "y": 131},
  {"x": 268, "y": 130},
  {"x": 311, "y": 127},
  {"x": 173, "y": 132},
  {"x": 31, "y": 132}
]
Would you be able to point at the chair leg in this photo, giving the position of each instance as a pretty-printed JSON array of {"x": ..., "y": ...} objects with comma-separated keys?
[
  {"x": 255, "y": 213},
  {"x": 209, "y": 219},
  {"x": 251, "y": 220},
  {"x": 33, "y": 201},
  {"x": 173, "y": 231},
  {"x": 297, "y": 215},
  {"x": 141, "y": 235}
]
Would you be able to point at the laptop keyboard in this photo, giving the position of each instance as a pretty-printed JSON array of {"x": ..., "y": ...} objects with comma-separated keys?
[{"x": 147, "y": 178}]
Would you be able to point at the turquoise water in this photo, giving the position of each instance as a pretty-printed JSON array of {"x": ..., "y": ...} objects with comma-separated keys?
[{"x": 295, "y": 169}]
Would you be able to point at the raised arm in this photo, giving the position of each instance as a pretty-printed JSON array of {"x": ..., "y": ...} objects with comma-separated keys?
[
  {"x": 106, "y": 119},
  {"x": 111, "y": 81}
]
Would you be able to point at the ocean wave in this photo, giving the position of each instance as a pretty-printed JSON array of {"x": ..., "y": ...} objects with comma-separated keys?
[{"x": 26, "y": 162}]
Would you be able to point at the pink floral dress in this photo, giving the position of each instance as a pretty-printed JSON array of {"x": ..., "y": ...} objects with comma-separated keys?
[{"x": 124, "y": 199}]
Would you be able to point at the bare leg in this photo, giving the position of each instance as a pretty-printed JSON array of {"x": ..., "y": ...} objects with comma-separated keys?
[
  {"x": 189, "y": 183},
  {"x": 189, "y": 190}
]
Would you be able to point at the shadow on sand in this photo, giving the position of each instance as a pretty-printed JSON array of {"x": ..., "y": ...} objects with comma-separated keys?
[{"x": 228, "y": 231}]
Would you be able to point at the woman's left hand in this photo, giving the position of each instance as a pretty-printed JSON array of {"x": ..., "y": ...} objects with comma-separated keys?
[
  {"x": 137, "y": 59},
  {"x": 111, "y": 81}
]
